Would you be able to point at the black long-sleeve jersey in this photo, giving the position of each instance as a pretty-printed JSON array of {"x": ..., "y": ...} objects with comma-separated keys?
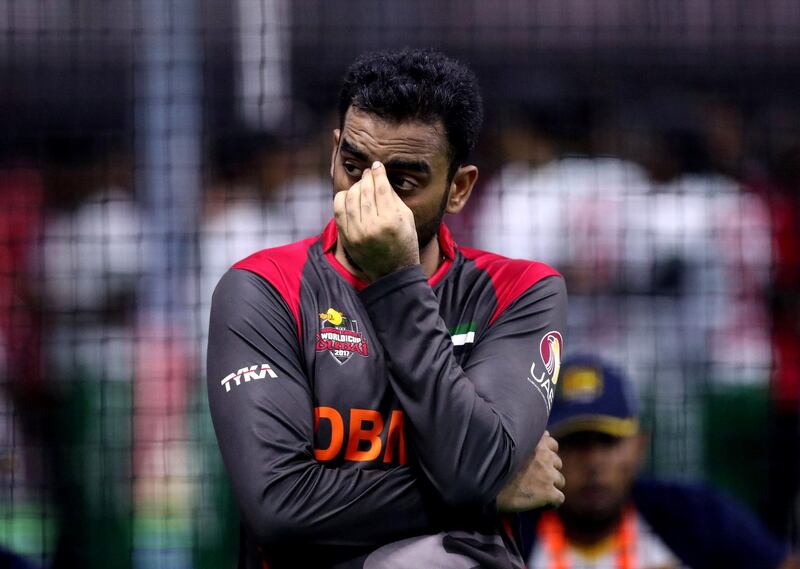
[{"x": 374, "y": 425}]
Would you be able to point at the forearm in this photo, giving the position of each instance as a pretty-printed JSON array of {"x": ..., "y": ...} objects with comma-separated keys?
[
  {"x": 470, "y": 431},
  {"x": 265, "y": 431},
  {"x": 308, "y": 503}
]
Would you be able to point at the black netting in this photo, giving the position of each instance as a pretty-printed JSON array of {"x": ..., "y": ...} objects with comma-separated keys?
[{"x": 649, "y": 151}]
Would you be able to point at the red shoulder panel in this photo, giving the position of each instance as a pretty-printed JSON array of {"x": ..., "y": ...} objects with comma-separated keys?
[
  {"x": 510, "y": 277},
  {"x": 282, "y": 267}
]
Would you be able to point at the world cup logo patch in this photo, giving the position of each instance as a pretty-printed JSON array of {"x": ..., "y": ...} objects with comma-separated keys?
[{"x": 340, "y": 337}]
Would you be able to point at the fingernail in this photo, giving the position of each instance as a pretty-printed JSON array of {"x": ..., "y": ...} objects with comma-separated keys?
[{"x": 376, "y": 165}]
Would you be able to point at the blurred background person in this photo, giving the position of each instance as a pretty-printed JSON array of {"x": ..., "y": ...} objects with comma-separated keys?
[
  {"x": 611, "y": 518},
  {"x": 22, "y": 203},
  {"x": 266, "y": 189},
  {"x": 668, "y": 261},
  {"x": 90, "y": 258}
]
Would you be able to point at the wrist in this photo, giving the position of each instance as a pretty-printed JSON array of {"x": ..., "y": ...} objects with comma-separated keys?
[{"x": 377, "y": 274}]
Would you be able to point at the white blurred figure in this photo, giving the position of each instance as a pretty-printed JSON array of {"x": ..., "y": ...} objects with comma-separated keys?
[
  {"x": 265, "y": 193},
  {"x": 90, "y": 266},
  {"x": 262, "y": 195},
  {"x": 666, "y": 277},
  {"x": 92, "y": 260}
]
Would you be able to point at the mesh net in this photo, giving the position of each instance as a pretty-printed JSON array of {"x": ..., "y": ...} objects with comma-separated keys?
[{"x": 648, "y": 151}]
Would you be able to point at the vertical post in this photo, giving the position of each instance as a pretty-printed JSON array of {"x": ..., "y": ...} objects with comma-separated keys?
[
  {"x": 168, "y": 127},
  {"x": 263, "y": 61},
  {"x": 168, "y": 146}
]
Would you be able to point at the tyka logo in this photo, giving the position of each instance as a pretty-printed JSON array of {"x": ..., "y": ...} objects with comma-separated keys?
[
  {"x": 550, "y": 348},
  {"x": 340, "y": 337},
  {"x": 248, "y": 374}
]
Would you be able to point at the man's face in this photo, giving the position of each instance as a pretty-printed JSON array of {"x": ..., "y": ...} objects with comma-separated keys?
[
  {"x": 414, "y": 154},
  {"x": 599, "y": 470}
]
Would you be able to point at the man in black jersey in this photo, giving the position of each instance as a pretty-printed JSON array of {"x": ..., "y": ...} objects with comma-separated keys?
[{"x": 379, "y": 393}]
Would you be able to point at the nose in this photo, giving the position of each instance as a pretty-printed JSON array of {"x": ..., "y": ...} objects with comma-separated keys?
[{"x": 596, "y": 456}]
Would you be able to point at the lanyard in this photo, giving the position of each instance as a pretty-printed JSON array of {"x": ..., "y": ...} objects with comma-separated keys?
[{"x": 551, "y": 531}]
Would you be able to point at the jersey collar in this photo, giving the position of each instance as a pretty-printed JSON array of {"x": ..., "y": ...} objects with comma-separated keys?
[{"x": 446, "y": 245}]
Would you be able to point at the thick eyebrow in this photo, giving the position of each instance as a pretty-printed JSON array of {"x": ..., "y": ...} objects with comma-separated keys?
[
  {"x": 350, "y": 149},
  {"x": 420, "y": 166},
  {"x": 409, "y": 165}
]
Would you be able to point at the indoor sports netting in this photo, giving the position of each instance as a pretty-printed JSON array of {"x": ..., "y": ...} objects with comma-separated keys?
[{"x": 648, "y": 150}]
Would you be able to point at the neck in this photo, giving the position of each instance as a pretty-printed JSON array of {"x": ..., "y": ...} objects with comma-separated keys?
[
  {"x": 589, "y": 532},
  {"x": 430, "y": 258}
]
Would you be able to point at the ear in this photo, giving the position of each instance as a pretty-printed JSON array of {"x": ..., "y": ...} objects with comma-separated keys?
[
  {"x": 336, "y": 135},
  {"x": 461, "y": 188}
]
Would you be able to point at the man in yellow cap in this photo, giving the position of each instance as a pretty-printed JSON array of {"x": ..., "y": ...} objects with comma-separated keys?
[{"x": 611, "y": 520}]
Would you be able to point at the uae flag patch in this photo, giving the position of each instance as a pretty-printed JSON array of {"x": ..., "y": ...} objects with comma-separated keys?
[{"x": 463, "y": 334}]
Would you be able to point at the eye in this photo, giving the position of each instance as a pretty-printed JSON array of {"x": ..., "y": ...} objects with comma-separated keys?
[
  {"x": 352, "y": 169},
  {"x": 403, "y": 183}
]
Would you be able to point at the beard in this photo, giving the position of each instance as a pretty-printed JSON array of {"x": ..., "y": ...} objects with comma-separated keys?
[
  {"x": 593, "y": 521},
  {"x": 429, "y": 230},
  {"x": 596, "y": 521}
]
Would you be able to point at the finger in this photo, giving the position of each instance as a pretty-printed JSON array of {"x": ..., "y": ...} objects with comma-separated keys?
[
  {"x": 340, "y": 213},
  {"x": 552, "y": 444},
  {"x": 558, "y": 498},
  {"x": 352, "y": 204},
  {"x": 561, "y": 482},
  {"x": 368, "y": 206},
  {"x": 557, "y": 463},
  {"x": 384, "y": 194}
]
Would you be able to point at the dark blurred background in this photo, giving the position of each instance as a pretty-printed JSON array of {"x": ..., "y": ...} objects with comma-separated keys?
[{"x": 648, "y": 150}]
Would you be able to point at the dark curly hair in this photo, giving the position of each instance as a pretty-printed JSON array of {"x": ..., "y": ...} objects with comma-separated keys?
[{"x": 417, "y": 84}]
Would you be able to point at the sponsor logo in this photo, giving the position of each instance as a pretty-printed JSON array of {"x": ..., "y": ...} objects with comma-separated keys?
[
  {"x": 550, "y": 348},
  {"x": 340, "y": 337},
  {"x": 463, "y": 334},
  {"x": 248, "y": 374},
  {"x": 359, "y": 435}
]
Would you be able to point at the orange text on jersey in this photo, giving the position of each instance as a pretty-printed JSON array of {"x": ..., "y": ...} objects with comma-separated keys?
[{"x": 363, "y": 443}]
